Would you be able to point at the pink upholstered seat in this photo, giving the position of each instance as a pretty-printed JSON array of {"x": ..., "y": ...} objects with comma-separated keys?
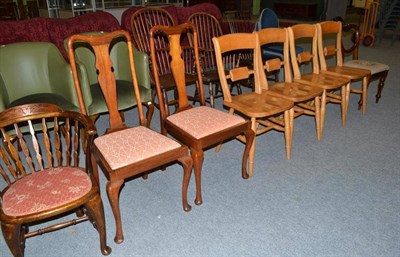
[
  {"x": 203, "y": 121},
  {"x": 45, "y": 190},
  {"x": 131, "y": 145}
]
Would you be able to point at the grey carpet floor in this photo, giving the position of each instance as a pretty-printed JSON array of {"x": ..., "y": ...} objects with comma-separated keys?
[{"x": 336, "y": 197}]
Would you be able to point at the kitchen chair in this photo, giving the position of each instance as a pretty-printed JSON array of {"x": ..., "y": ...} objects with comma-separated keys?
[
  {"x": 207, "y": 27},
  {"x": 329, "y": 83},
  {"x": 46, "y": 76},
  {"x": 198, "y": 127},
  {"x": 307, "y": 98},
  {"x": 269, "y": 19},
  {"x": 325, "y": 29},
  {"x": 124, "y": 152},
  {"x": 46, "y": 175},
  {"x": 379, "y": 71},
  {"x": 263, "y": 108},
  {"x": 141, "y": 23},
  {"x": 95, "y": 103}
]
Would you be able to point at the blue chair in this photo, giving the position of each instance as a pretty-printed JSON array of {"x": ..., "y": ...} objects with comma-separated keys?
[{"x": 269, "y": 19}]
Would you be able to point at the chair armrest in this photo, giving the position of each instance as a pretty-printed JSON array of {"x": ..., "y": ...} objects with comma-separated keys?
[
  {"x": 3, "y": 95},
  {"x": 142, "y": 67}
]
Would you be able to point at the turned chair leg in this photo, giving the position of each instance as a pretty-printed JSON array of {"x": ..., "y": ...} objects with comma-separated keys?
[
  {"x": 15, "y": 241},
  {"x": 380, "y": 86}
]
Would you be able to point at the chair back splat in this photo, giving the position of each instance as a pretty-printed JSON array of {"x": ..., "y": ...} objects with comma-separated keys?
[
  {"x": 126, "y": 152},
  {"x": 199, "y": 127},
  {"x": 45, "y": 151}
]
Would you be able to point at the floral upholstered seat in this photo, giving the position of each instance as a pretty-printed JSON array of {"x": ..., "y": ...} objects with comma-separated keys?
[
  {"x": 45, "y": 190},
  {"x": 203, "y": 121}
]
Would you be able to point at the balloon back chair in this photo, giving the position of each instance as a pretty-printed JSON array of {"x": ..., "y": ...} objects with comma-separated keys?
[
  {"x": 307, "y": 34},
  {"x": 199, "y": 127},
  {"x": 307, "y": 98},
  {"x": 47, "y": 173},
  {"x": 379, "y": 71},
  {"x": 325, "y": 49},
  {"x": 126, "y": 152},
  {"x": 266, "y": 111}
]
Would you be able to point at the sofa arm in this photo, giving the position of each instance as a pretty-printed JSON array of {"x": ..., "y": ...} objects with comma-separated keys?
[
  {"x": 3, "y": 95},
  {"x": 142, "y": 67}
]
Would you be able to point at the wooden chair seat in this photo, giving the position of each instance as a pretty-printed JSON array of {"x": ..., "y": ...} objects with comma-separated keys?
[
  {"x": 132, "y": 145},
  {"x": 294, "y": 91},
  {"x": 46, "y": 190},
  {"x": 259, "y": 105},
  {"x": 348, "y": 72},
  {"x": 325, "y": 81}
]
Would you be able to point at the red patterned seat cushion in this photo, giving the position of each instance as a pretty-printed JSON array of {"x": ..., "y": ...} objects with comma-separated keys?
[
  {"x": 203, "y": 121},
  {"x": 131, "y": 145},
  {"x": 45, "y": 190}
]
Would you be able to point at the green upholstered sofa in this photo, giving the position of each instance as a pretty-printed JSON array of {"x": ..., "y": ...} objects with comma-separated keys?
[{"x": 35, "y": 72}]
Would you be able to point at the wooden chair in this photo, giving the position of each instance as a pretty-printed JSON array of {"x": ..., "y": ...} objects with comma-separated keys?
[
  {"x": 45, "y": 162},
  {"x": 325, "y": 29},
  {"x": 207, "y": 27},
  {"x": 379, "y": 71},
  {"x": 262, "y": 108},
  {"x": 307, "y": 98},
  {"x": 141, "y": 23},
  {"x": 126, "y": 152},
  {"x": 329, "y": 83},
  {"x": 197, "y": 127}
]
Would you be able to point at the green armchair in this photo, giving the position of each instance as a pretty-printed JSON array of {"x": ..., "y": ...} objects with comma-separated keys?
[
  {"x": 92, "y": 95},
  {"x": 35, "y": 72}
]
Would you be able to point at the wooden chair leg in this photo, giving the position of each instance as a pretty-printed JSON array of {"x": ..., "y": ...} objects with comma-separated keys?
[
  {"x": 95, "y": 212},
  {"x": 252, "y": 152},
  {"x": 317, "y": 112},
  {"x": 14, "y": 239},
  {"x": 380, "y": 86},
  {"x": 197, "y": 157},
  {"x": 249, "y": 135},
  {"x": 187, "y": 163},
  {"x": 113, "y": 188},
  {"x": 323, "y": 111}
]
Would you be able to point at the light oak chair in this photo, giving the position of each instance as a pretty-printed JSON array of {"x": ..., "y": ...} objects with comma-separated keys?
[
  {"x": 44, "y": 176},
  {"x": 326, "y": 49},
  {"x": 329, "y": 83},
  {"x": 124, "y": 152},
  {"x": 199, "y": 127},
  {"x": 263, "y": 108},
  {"x": 307, "y": 98}
]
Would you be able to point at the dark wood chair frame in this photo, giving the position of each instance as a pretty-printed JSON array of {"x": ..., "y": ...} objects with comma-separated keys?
[{"x": 197, "y": 146}]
